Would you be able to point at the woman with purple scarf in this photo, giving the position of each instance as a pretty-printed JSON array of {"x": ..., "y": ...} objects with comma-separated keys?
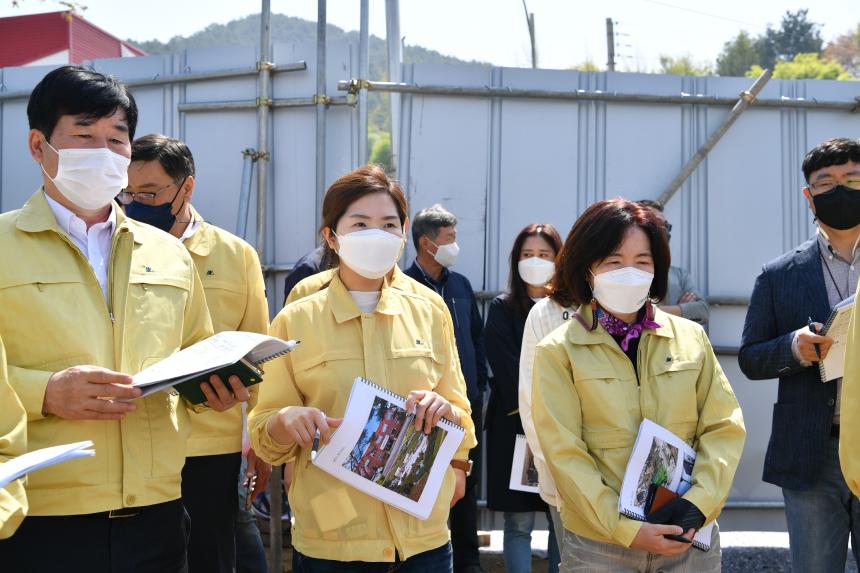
[{"x": 620, "y": 361}]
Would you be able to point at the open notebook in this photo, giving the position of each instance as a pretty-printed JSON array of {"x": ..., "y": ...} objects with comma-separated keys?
[
  {"x": 38, "y": 459},
  {"x": 378, "y": 451},
  {"x": 226, "y": 354},
  {"x": 659, "y": 456}
]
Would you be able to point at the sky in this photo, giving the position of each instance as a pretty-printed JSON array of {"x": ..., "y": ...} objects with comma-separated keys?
[{"x": 568, "y": 32}]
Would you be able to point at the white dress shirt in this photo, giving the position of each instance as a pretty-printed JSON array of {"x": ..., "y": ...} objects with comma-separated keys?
[{"x": 94, "y": 243}]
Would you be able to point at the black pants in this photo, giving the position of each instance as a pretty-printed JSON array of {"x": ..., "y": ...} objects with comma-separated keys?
[
  {"x": 464, "y": 515},
  {"x": 209, "y": 495},
  {"x": 152, "y": 541}
]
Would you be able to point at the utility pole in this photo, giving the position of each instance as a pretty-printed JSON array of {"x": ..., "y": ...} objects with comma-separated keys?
[
  {"x": 610, "y": 44},
  {"x": 530, "y": 21}
]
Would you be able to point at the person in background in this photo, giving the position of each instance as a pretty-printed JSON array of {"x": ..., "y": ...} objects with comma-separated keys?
[
  {"x": 13, "y": 442},
  {"x": 309, "y": 265},
  {"x": 161, "y": 182},
  {"x": 620, "y": 361},
  {"x": 546, "y": 315},
  {"x": 90, "y": 297},
  {"x": 801, "y": 286},
  {"x": 532, "y": 265},
  {"x": 434, "y": 233},
  {"x": 357, "y": 326},
  {"x": 681, "y": 298}
]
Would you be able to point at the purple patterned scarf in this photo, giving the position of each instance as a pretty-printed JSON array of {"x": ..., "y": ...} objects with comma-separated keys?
[{"x": 617, "y": 327}]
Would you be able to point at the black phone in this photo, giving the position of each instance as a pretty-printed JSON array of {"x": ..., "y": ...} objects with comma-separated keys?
[{"x": 680, "y": 538}]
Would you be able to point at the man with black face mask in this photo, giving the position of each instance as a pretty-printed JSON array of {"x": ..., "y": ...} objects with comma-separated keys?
[{"x": 805, "y": 283}]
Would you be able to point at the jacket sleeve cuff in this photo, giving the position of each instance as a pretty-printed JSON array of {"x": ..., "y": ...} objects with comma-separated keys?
[
  {"x": 266, "y": 447},
  {"x": 795, "y": 351},
  {"x": 626, "y": 530},
  {"x": 30, "y": 385},
  {"x": 13, "y": 508}
]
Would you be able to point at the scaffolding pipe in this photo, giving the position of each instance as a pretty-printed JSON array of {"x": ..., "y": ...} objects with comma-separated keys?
[
  {"x": 252, "y": 104},
  {"x": 355, "y": 85},
  {"x": 746, "y": 99},
  {"x": 184, "y": 78},
  {"x": 364, "y": 71},
  {"x": 395, "y": 58},
  {"x": 321, "y": 99}
]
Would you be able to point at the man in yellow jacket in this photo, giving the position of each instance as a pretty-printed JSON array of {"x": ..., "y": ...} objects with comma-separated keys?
[
  {"x": 161, "y": 182},
  {"x": 849, "y": 438},
  {"x": 13, "y": 442},
  {"x": 88, "y": 297}
]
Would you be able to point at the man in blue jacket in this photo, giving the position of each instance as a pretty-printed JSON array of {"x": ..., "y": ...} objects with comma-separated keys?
[
  {"x": 802, "y": 456},
  {"x": 434, "y": 232}
]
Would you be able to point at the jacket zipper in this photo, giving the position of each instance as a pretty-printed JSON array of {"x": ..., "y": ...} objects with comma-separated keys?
[{"x": 108, "y": 302}]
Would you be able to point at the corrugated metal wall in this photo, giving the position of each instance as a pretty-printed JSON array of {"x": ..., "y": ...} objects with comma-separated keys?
[{"x": 500, "y": 164}]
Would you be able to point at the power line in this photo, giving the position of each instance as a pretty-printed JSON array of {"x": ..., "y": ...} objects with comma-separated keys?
[{"x": 700, "y": 13}]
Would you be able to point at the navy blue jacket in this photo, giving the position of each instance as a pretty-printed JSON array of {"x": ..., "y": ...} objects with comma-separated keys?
[
  {"x": 788, "y": 291},
  {"x": 457, "y": 293}
]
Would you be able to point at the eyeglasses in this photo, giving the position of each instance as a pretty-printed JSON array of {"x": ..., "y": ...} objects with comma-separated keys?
[
  {"x": 830, "y": 184},
  {"x": 145, "y": 197}
]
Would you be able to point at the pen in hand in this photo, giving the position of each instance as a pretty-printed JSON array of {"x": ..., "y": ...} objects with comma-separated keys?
[
  {"x": 316, "y": 445},
  {"x": 812, "y": 329}
]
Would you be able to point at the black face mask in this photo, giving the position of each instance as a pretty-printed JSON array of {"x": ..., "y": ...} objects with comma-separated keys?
[{"x": 838, "y": 208}]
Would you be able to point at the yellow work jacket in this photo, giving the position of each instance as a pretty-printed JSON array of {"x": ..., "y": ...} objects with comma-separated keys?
[
  {"x": 587, "y": 404},
  {"x": 404, "y": 345},
  {"x": 236, "y": 296},
  {"x": 13, "y": 442},
  {"x": 849, "y": 435},
  {"x": 53, "y": 315}
]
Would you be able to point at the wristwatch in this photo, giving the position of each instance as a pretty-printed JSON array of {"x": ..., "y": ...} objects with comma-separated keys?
[{"x": 465, "y": 465}]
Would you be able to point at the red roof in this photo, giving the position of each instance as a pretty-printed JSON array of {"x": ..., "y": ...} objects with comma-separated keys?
[{"x": 25, "y": 39}]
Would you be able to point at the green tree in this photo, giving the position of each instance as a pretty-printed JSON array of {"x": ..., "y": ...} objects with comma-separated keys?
[
  {"x": 796, "y": 35},
  {"x": 683, "y": 66},
  {"x": 380, "y": 151},
  {"x": 806, "y": 67},
  {"x": 845, "y": 49},
  {"x": 738, "y": 56}
]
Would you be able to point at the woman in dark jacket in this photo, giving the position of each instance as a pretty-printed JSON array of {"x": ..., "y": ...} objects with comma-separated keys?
[{"x": 532, "y": 266}]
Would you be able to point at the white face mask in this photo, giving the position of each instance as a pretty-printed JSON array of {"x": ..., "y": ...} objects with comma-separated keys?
[
  {"x": 446, "y": 255},
  {"x": 536, "y": 271},
  {"x": 372, "y": 253},
  {"x": 90, "y": 178},
  {"x": 623, "y": 290}
]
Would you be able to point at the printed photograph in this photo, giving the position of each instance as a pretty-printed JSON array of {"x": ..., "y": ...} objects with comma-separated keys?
[
  {"x": 659, "y": 466},
  {"x": 391, "y": 453},
  {"x": 530, "y": 473}
]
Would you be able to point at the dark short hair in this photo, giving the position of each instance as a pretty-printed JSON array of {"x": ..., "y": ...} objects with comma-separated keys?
[
  {"x": 595, "y": 235},
  {"x": 428, "y": 222},
  {"x": 173, "y": 155},
  {"x": 75, "y": 90},
  {"x": 517, "y": 296},
  {"x": 836, "y": 151}
]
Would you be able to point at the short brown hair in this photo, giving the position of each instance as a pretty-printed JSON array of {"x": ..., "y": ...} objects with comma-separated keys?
[
  {"x": 595, "y": 235},
  {"x": 351, "y": 187}
]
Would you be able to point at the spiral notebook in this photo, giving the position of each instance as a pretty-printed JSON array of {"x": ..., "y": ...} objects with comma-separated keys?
[
  {"x": 378, "y": 451},
  {"x": 225, "y": 354},
  {"x": 837, "y": 327},
  {"x": 524, "y": 474},
  {"x": 662, "y": 458}
]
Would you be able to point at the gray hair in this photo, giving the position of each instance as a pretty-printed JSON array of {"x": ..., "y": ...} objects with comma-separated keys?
[{"x": 429, "y": 221}]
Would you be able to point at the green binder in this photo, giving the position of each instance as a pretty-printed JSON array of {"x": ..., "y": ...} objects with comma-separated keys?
[{"x": 247, "y": 372}]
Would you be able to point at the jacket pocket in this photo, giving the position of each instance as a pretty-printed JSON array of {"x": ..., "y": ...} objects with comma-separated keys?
[
  {"x": 227, "y": 303},
  {"x": 155, "y": 306},
  {"x": 413, "y": 368},
  {"x": 605, "y": 400},
  {"x": 675, "y": 386},
  {"x": 169, "y": 429}
]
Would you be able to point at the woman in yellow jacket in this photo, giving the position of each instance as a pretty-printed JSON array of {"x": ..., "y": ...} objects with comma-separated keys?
[
  {"x": 598, "y": 376},
  {"x": 13, "y": 442},
  {"x": 360, "y": 325}
]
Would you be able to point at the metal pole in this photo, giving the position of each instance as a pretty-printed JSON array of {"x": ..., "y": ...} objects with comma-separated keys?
[
  {"x": 253, "y": 104},
  {"x": 530, "y": 22},
  {"x": 352, "y": 86},
  {"x": 265, "y": 65},
  {"x": 321, "y": 100},
  {"x": 184, "y": 78},
  {"x": 395, "y": 55},
  {"x": 364, "y": 72},
  {"x": 746, "y": 99},
  {"x": 610, "y": 44}
]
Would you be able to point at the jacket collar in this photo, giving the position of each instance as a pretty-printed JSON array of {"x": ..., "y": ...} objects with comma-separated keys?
[
  {"x": 579, "y": 334},
  {"x": 807, "y": 263},
  {"x": 344, "y": 308},
  {"x": 36, "y": 216},
  {"x": 200, "y": 243}
]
